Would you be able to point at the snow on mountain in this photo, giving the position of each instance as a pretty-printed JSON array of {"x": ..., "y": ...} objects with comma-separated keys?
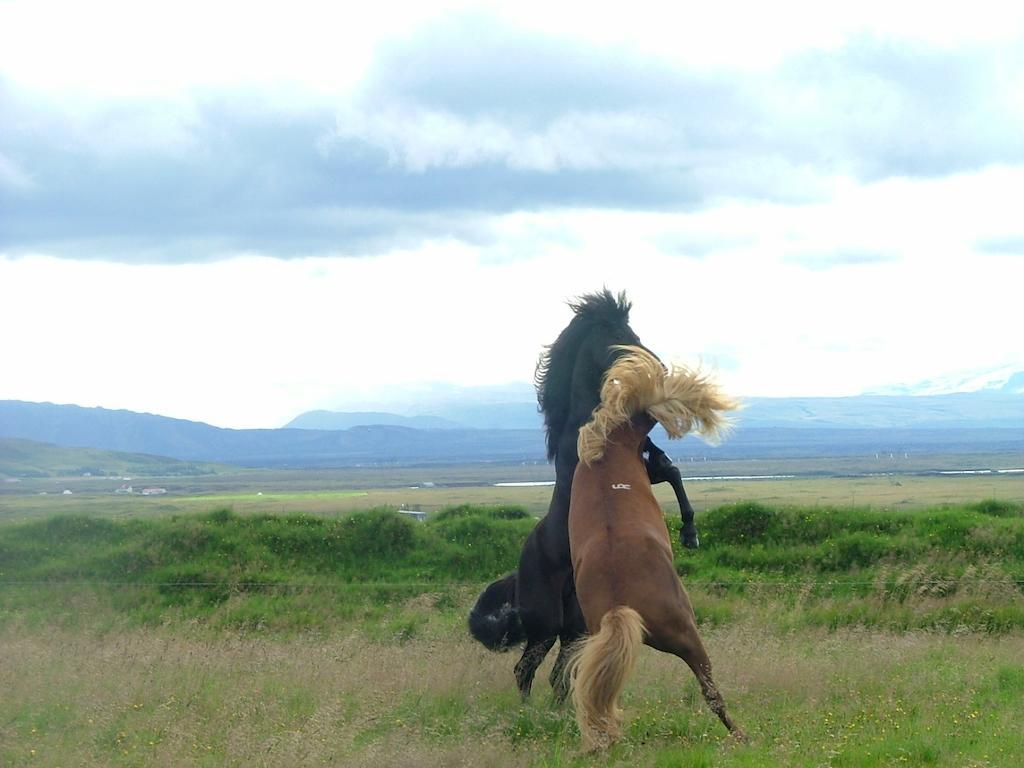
[{"x": 1008, "y": 380}]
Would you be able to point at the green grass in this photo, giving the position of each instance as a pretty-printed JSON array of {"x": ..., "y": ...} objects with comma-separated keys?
[
  {"x": 375, "y": 545},
  {"x": 228, "y": 499},
  {"x": 186, "y": 697},
  {"x": 947, "y": 569},
  {"x": 250, "y": 571},
  {"x": 840, "y": 637}
]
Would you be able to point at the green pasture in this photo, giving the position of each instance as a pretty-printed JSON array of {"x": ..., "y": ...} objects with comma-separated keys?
[
  {"x": 842, "y": 635},
  {"x": 418, "y": 692},
  {"x": 937, "y": 568}
]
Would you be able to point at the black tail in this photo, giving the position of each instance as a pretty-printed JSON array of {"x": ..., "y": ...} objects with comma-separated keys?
[{"x": 494, "y": 620}]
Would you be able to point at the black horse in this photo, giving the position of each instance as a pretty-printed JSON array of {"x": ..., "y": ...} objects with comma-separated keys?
[{"x": 537, "y": 603}]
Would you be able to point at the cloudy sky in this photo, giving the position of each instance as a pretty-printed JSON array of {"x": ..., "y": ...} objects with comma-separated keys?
[{"x": 233, "y": 215}]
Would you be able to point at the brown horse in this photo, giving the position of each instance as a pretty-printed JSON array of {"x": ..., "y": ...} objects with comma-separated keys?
[{"x": 626, "y": 582}]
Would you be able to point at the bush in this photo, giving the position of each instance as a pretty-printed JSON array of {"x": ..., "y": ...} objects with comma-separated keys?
[
  {"x": 480, "y": 545},
  {"x": 222, "y": 515},
  {"x": 852, "y": 550},
  {"x": 942, "y": 568},
  {"x": 496, "y": 512},
  {"x": 746, "y": 522},
  {"x": 379, "y": 533},
  {"x": 997, "y": 508}
]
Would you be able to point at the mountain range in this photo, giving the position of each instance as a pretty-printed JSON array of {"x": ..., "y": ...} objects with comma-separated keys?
[
  {"x": 1005, "y": 380},
  {"x": 984, "y": 421},
  {"x": 975, "y": 410},
  {"x": 29, "y": 458},
  {"x": 989, "y": 398}
]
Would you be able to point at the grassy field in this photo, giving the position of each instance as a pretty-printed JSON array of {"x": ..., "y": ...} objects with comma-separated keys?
[
  {"x": 182, "y": 696},
  {"x": 841, "y": 637}
]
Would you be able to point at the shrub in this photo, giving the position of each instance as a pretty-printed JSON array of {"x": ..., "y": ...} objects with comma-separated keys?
[
  {"x": 743, "y": 523},
  {"x": 497, "y": 512},
  {"x": 377, "y": 533},
  {"x": 186, "y": 585},
  {"x": 996, "y": 508},
  {"x": 222, "y": 515},
  {"x": 852, "y": 550},
  {"x": 479, "y": 546}
]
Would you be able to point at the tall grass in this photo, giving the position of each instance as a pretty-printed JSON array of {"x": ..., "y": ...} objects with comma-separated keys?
[
  {"x": 948, "y": 569},
  {"x": 161, "y": 696},
  {"x": 840, "y": 637}
]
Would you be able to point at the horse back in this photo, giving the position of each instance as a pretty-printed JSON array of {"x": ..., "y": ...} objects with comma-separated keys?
[{"x": 621, "y": 551}]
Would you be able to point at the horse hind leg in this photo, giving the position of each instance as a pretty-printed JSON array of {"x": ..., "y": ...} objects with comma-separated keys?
[
  {"x": 690, "y": 649},
  {"x": 717, "y": 704},
  {"x": 559, "y": 678},
  {"x": 532, "y": 657},
  {"x": 574, "y": 626}
]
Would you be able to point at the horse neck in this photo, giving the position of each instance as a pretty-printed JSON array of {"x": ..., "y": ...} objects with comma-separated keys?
[
  {"x": 626, "y": 440},
  {"x": 569, "y": 386},
  {"x": 592, "y": 362}
]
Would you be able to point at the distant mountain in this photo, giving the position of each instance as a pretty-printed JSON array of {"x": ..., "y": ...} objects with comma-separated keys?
[
  {"x": 27, "y": 458},
  {"x": 1014, "y": 385},
  {"x": 971, "y": 410},
  {"x": 497, "y": 415},
  {"x": 333, "y": 420},
  {"x": 468, "y": 415},
  {"x": 1007, "y": 380},
  {"x": 978, "y": 399},
  {"x": 769, "y": 427},
  {"x": 72, "y": 425},
  {"x": 500, "y": 406}
]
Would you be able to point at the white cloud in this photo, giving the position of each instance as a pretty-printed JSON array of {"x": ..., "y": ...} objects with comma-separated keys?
[
  {"x": 113, "y": 50},
  {"x": 12, "y": 177},
  {"x": 737, "y": 35},
  {"x": 253, "y": 341},
  {"x": 118, "y": 49},
  {"x": 816, "y": 206},
  {"x": 420, "y": 139}
]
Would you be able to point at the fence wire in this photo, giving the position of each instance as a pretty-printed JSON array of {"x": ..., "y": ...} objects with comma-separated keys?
[{"x": 369, "y": 585}]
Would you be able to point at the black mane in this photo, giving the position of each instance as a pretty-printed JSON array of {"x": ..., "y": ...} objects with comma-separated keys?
[{"x": 553, "y": 378}]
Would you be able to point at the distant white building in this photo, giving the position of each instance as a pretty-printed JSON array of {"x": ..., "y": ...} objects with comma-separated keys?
[
  {"x": 153, "y": 491},
  {"x": 124, "y": 489}
]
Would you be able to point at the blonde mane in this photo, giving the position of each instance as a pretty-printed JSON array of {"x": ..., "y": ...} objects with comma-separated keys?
[{"x": 680, "y": 399}]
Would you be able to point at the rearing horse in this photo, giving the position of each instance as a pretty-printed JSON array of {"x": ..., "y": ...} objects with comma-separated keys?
[
  {"x": 626, "y": 582},
  {"x": 537, "y": 603}
]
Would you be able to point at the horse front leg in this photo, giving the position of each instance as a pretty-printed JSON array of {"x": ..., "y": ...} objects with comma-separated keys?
[{"x": 660, "y": 469}]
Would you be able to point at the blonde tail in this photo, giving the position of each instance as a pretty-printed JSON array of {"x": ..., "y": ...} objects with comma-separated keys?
[{"x": 598, "y": 673}]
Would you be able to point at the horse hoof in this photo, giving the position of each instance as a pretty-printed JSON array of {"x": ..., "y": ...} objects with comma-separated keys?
[{"x": 739, "y": 737}]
